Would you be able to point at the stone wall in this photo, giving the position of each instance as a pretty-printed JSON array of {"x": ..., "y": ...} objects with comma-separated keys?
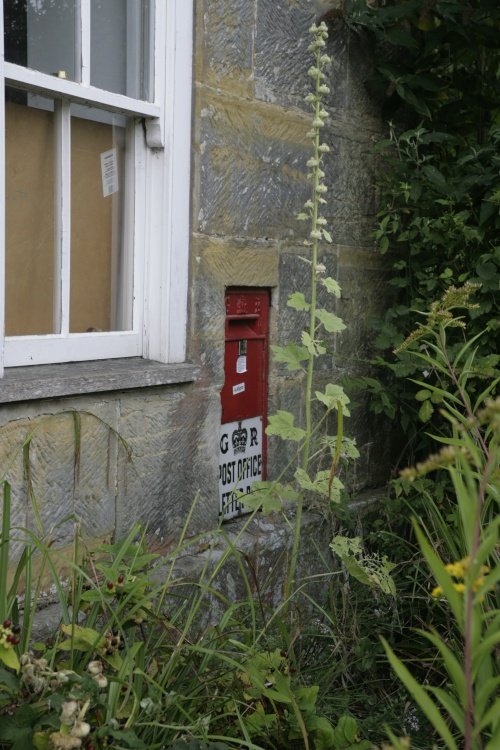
[
  {"x": 250, "y": 151},
  {"x": 249, "y": 181}
]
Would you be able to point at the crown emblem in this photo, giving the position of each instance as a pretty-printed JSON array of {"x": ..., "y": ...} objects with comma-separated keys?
[{"x": 239, "y": 439}]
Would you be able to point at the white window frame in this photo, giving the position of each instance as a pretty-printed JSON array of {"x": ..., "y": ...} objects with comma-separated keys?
[{"x": 161, "y": 203}]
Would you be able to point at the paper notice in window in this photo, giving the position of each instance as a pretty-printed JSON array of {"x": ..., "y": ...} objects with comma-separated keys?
[
  {"x": 109, "y": 172},
  {"x": 240, "y": 388}
]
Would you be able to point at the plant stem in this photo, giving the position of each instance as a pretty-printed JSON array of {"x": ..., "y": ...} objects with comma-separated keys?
[{"x": 312, "y": 330}]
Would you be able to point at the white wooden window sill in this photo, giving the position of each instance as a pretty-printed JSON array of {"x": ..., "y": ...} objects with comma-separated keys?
[{"x": 77, "y": 378}]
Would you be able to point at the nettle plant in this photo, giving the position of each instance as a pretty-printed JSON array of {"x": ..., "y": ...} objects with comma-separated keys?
[{"x": 311, "y": 477}]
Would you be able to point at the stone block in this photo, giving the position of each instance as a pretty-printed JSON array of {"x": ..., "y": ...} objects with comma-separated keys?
[
  {"x": 224, "y": 44},
  {"x": 250, "y": 166},
  {"x": 281, "y": 55}
]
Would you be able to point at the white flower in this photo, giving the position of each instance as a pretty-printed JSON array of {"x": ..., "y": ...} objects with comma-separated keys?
[
  {"x": 80, "y": 729},
  {"x": 69, "y": 711}
]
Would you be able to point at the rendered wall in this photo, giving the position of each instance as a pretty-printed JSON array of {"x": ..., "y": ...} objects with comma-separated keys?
[{"x": 249, "y": 181}]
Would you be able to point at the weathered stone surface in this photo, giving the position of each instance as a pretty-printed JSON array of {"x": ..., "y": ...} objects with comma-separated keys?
[
  {"x": 362, "y": 277},
  {"x": 224, "y": 44},
  {"x": 281, "y": 56},
  {"x": 351, "y": 198},
  {"x": 172, "y": 449},
  {"x": 252, "y": 168}
]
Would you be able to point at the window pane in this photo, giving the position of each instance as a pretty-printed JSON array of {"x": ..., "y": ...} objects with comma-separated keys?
[
  {"x": 101, "y": 276},
  {"x": 29, "y": 177},
  {"x": 120, "y": 44},
  {"x": 29, "y": 241},
  {"x": 41, "y": 34}
]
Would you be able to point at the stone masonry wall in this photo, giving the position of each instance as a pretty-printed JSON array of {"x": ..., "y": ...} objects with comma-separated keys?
[
  {"x": 249, "y": 181},
  {"x": 250, "y": 152}
]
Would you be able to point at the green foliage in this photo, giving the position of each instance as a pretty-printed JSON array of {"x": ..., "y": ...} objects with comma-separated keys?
[
  {"x": 370, "y": 569},
  {"x": 464, "y": 711},
  {"x": 436, "y": 76}
]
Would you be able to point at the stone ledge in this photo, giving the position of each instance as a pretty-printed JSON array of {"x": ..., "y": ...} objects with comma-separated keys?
[{"x": 76, "y": 378}]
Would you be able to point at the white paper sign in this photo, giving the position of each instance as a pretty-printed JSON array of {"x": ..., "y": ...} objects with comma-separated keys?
[
  {"x": 109, "y": 172},
  {"x": 240, "y": 463},
  {"x": 241, "y": 364},
  {"x": 238, "y": 388}
]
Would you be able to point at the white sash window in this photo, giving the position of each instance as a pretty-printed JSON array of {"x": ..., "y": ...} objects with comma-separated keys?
[{"x": 94, "y": 240}]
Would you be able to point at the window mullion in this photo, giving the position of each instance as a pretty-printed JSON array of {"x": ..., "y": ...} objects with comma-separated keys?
[
  {"x": 62, "y": 211},
  {"x": 83, "y": 38}
]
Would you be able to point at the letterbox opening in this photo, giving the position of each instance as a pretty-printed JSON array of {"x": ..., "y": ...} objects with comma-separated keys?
[{"x": 242, "y": 457}]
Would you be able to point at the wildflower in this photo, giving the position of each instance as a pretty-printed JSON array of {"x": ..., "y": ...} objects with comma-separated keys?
[
  {"x": 460, "y": 587},
  {"x": 458, "y": 569},
  {"x": 64, "y": 741},
  {"x": 80, "y": 729},
  {"x": 437, "y": 592},
  {"x": 9, "y": 634},
  {"x": 69, "y": 711}
]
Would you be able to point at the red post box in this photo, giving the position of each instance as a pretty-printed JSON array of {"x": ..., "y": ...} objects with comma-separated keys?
[{"x": 244, "y": 397}]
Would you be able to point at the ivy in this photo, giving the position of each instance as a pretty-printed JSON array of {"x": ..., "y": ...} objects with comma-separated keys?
[{"x": 436, "y": 79}]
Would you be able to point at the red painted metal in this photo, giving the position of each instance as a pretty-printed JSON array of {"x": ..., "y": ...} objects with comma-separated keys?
[{"x": 247, "y": 320}]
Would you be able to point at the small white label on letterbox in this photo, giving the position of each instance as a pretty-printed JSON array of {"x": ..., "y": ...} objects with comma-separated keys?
[
  {"x": 238, "y": 388},
  {"x": 241, "y": 364}
]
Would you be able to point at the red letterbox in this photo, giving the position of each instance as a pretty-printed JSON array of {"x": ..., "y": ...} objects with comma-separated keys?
[{"x": 244, "y": 397}]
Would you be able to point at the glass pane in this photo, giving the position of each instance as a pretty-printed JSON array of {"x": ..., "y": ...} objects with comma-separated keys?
[
  {"x": 29, "y": 178},
  {"x": 120, "y": 44},
  {"x": 101, "y": 272},
  {"x": 41, "y": 34}
]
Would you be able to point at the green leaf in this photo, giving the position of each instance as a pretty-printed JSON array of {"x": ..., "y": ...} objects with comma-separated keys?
[
  {"x": 313, "y": 346},
  {"x": 422, "y": 698},
  {"x": 426, "y": 411},
  {"x": 348, "y": 726},
  {"x": 423, "y": 394},
  {"x": 282, "y": 424},
  {"x": 331, "y": 286},
  {"x": 333, "y": 396},
  {"x": 9, "y": 658},
  {"x": 320, "y": 484},
  {"x": 327, "y": 236},
  {"x": 369, "y": 569},
  {"x": 453, "y": 667},
  {"x": 81, "y": 639},
  {"x": 298, "y": 301},
  {"x": 8, "y": 680},
  {"x": 449, "y": 703},
  {"x": 332, "y": 323},
  {"x": 292, "y": 355},
  {"x": 440, "y": 574},
  {"x": 270, "y": 497}
]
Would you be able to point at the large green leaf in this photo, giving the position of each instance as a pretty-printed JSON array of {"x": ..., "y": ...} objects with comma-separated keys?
[
  {"x": 331, "y": 323},
  {"x": 331, "y": 286},
  {"x": 333, "y": 396},
  {"x": 282, "y": 424},
  {"x": 298, "y": 301},
  {"x": 292, "y": 355}
]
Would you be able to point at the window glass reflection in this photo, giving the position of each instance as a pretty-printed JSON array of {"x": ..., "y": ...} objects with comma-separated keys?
[{"x": 41, "y": 34}]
